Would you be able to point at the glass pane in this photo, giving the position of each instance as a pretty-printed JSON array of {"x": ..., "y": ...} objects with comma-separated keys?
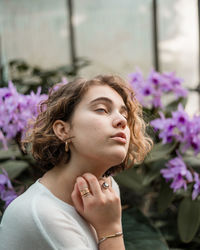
[
  {"x": 114, "y": 35},
  {"x": 35, "y": 31},
  {"x": 178, "y": 34}
]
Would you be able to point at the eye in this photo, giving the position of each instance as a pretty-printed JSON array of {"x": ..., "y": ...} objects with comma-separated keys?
[
  {"x": 125, "y": 116},
  {"x": 102, "y": 110}
]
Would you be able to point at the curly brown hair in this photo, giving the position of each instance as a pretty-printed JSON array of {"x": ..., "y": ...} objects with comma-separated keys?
[{"x": 49, "y": 150}]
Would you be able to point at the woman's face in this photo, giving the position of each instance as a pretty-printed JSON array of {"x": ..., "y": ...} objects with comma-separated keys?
[{"x": 99, "y": 127}]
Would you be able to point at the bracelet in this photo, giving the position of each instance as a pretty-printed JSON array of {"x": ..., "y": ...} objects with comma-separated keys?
[{"x": 109, "y": 236}]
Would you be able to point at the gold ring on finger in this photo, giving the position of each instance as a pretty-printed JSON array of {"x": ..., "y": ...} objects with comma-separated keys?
[
  {"x": 86, "y": 194},
  {"x": 85, "y": 191}
]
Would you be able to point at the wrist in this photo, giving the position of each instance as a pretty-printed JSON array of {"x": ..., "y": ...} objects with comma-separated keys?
[
  {"x": 112, "y": 229},
  {"x": 118, "y": 234}
]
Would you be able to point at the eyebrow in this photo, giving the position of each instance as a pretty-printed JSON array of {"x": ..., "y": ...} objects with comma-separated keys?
[{"x": 105, "y": 99}]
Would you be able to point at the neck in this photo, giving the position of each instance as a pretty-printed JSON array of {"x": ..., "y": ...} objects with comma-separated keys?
[{"x": 61, "y": 179}]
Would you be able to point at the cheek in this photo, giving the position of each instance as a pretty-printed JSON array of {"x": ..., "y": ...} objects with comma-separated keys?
[
  {"x": 88, "y": 129},
  {"x": 128, "y": 135},
  {"x": 88, "y": 139}
]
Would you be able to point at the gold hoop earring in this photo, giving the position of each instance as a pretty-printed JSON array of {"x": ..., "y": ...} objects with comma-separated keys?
[{"x": 66, "y": 146}]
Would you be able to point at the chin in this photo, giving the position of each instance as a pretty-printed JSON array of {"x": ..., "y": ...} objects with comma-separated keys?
[{"x": 117, "y": 157}]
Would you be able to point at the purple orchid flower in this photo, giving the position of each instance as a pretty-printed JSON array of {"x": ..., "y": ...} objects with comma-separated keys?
[
  {"x": 7, "y": 192},
  {"x": 179, "y": 127},
  {"x": 149, "y": 91},
  {"x": 196, "y": 187},
  {"x": 178, "y": 173},
  {"x": 16, "y": 110}
]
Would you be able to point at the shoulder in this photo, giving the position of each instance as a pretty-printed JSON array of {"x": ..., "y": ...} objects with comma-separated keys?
[
  {"x": 37, "y": 204},
  {"x": 60, "y": 223},
  {"x": 48, "y": 218}
]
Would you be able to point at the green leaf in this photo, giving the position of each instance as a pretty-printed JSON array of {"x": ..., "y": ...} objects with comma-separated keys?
[
  {"x": 192, "y": 161},
  {"x": 14, "y": 168},
  {"x": 188, "y": 219},
  {"x": 138, "y": 180},
  {"x": 160, "y": 151},
  {"x": 172, "y": 106},
  {"x": 139, "y": 233},
  {"x": 130, "y": 179},
  {"x": 153, "y": 171},
  {"x": 9, "y": 154},
  {"x": 165, "y": 197}
]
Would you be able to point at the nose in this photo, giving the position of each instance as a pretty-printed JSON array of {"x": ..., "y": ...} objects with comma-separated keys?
[{"x": 119, "y": 121}]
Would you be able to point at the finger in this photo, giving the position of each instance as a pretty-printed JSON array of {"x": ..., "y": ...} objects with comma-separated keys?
[
  {"x": 105, "y": 183},
  {"x": 93, "y": 184},
  {"x": 83, "y": 187},
  {"x": 107, "y": 179},
  {"x": 76, "y": 198},
  {"x": 105, "y": 187}
]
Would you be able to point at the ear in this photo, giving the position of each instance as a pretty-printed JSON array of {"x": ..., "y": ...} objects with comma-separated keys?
[{"x": 61, "y": 129}]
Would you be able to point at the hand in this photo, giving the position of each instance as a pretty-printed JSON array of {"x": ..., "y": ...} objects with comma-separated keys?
[{"x": 101, "y": 207}]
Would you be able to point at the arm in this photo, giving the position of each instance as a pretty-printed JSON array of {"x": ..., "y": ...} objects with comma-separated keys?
[
  {"x": 101, "y": 208},
  {"x": 114, "y": 243}
]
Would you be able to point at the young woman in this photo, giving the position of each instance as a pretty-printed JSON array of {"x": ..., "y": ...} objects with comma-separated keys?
[{"x": 86, "y": 131}]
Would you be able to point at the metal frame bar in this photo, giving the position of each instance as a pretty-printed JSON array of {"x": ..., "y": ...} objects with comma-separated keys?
[
  {"x": 198, "y": 86},
  {"x": 155, "y": 35},
  {"x": 1, "y": 65},
  {"x": 72, "y": 37}
]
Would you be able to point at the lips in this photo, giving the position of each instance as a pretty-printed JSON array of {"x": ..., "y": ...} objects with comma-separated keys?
[{"x": 120, "y": 137}]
